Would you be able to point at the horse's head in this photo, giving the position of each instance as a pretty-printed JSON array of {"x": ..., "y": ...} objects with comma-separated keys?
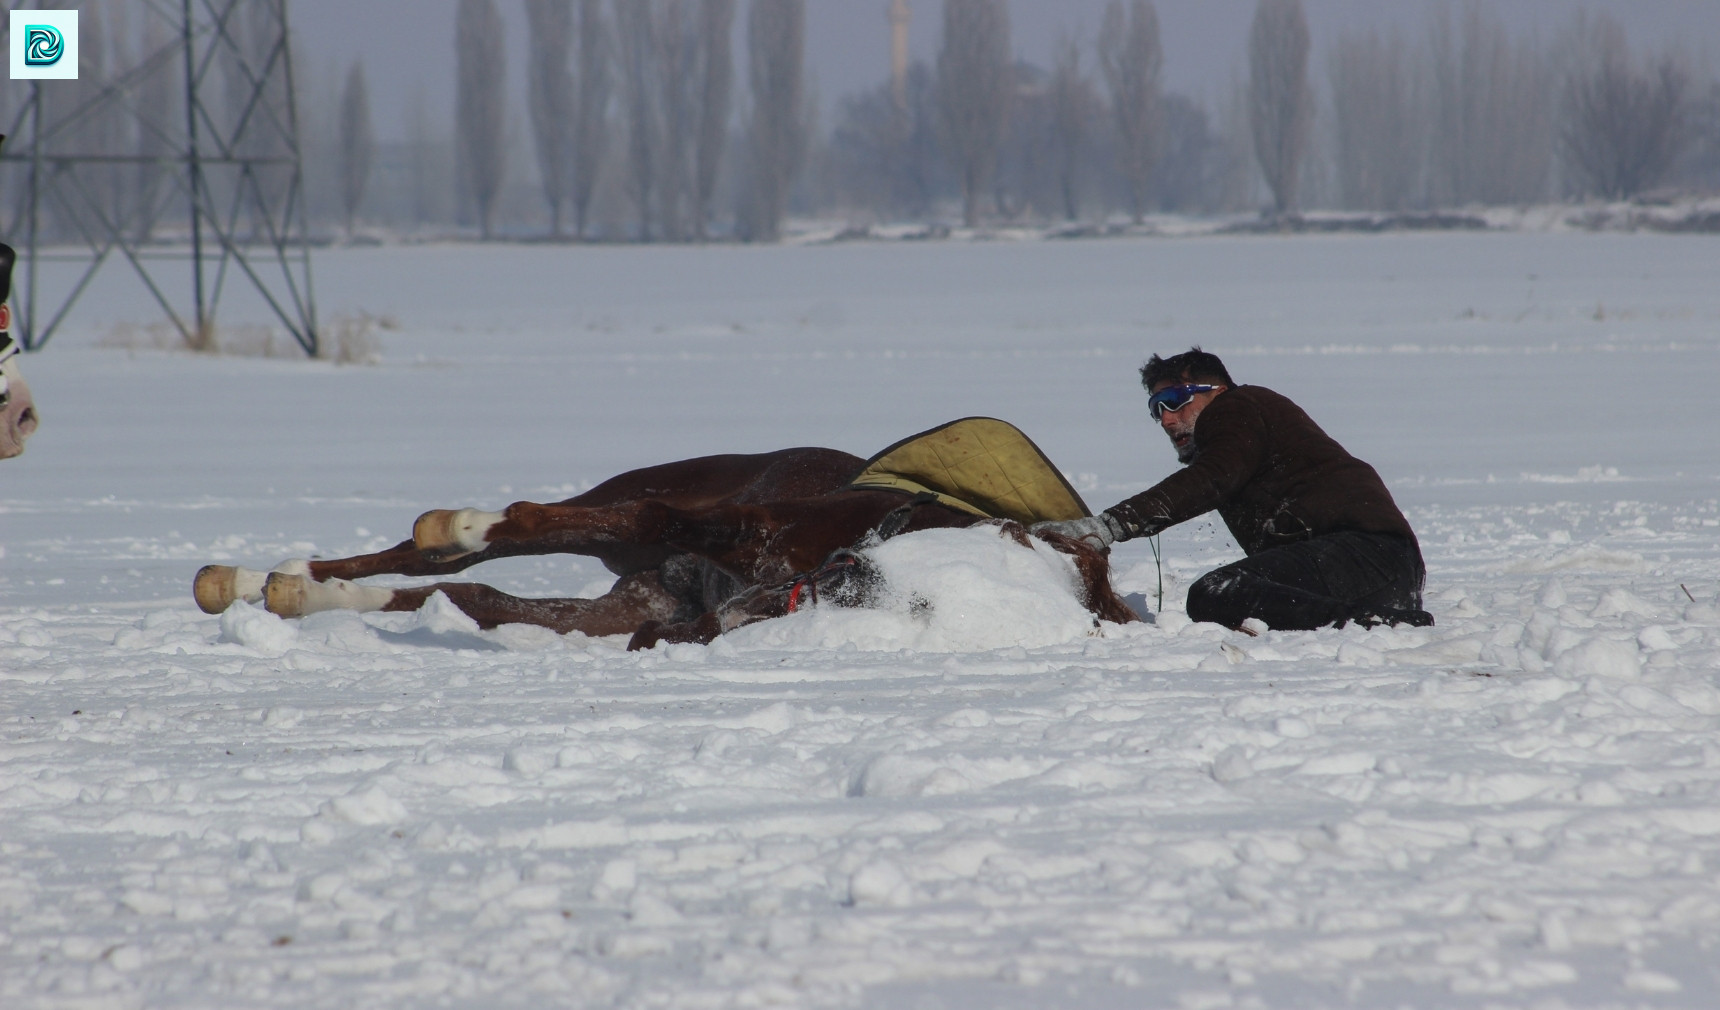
[{"x": 17, "y": 409}]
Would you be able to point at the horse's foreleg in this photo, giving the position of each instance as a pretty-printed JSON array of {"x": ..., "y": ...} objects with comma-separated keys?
[
  {"x": 215, "y": 587},
  {"x": 291, "y": 595},
  {"x": 700, "y": 631},
  {"x": 634, "y": 600},
  {"x": 757, "y": 604}
]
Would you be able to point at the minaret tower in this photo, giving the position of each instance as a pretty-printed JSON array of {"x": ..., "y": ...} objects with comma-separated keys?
[{"x": 899, "y": 17}]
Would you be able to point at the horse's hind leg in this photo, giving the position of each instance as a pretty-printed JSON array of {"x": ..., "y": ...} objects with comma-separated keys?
[
  {"x": 634, "y": 600},
  {"x": 461, "y": 533},
  {"x": 756, "y": 543}
]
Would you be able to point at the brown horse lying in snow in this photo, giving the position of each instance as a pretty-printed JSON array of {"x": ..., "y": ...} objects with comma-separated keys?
[{"x": 699, "y": 546}]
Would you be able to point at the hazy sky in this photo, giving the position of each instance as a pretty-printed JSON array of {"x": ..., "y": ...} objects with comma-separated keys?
[{"x": 405, "y": 45}]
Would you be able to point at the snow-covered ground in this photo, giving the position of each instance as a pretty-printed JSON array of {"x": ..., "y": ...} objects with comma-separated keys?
[{"x": 1518, "y": 807}]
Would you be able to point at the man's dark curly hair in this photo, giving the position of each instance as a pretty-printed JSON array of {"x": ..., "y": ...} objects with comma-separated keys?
[{"x": 1192, "y": 365}]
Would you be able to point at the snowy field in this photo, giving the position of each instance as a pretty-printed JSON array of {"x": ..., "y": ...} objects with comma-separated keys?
[{"x": 1519, "y": 807}]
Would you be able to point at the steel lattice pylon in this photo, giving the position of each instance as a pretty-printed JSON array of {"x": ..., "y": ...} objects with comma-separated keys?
[{"x": 216, "y": 181}]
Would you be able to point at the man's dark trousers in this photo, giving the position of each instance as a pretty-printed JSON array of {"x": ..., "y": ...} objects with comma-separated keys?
[{"x": 1314, "y": 583}]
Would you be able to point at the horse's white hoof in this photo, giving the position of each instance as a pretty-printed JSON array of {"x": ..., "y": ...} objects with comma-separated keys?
[
  {"x": 216, "y": 587},
  {"x": 446, "y": 534},
  {"x": 287, "y": 595},
  {"x": 284, "y": 595}
]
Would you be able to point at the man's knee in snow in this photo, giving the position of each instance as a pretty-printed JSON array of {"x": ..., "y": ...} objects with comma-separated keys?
[{"x": 1214, "y": 598}]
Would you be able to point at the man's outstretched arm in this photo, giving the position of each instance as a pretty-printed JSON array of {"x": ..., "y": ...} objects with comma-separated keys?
[{"x": 1232, "y": 440}]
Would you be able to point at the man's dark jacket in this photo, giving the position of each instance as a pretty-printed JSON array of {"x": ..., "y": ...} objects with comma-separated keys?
[{"x": 1273, "y": 475}]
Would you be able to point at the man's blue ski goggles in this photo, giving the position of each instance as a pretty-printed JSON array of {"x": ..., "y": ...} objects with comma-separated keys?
[{"x": 1175, "y": 398}]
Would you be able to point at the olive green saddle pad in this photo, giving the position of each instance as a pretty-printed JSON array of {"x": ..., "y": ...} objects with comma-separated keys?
[{"x": 979, "y": 465}]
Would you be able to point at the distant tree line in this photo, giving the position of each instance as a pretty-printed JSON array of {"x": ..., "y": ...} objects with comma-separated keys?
[
  {"x": 1470, "y": 116},
  {"x": 637, "y": 131},
  {"x": 684, "y": 120}
]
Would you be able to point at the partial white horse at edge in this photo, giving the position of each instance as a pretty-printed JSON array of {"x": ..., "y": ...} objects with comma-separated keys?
[{"x": 18, "y": 418}]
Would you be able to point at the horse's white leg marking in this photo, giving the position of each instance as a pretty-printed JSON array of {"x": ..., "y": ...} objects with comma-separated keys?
[
  {"x": 217, "y": 586},
  {"x": 287, "y": 595},
  {"x": 452, "y": 533}
]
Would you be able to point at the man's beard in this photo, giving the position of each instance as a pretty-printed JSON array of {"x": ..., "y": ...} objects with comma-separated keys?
[{"x": 1186, "y": 451}]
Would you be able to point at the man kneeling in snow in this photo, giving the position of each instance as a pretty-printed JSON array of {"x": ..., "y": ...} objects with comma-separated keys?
[{"x": 1325, "y": 542}]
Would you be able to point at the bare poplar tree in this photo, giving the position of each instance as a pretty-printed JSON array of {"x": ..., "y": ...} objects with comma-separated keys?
[
  {"x": 1072, "y": 103},
  {"x": 1705, "y": 132},
  {"x": 550, "y": 98},
  {"x": 1378, "y": 149},
  {"x": 1026, "y": 174},
  {"x": 481, "y": 104},
  {"x": 254, "y": 33},
  {"x": 974, "y": 82},
  {"x": 89, "y": 124},
  {"x": 1130, "y": 57},
  {"x": 636, "y": 33},
  {"x": 1492, "y": 115},
  {"x": 158, "y": 113},
  {"x": 776, "y": 53},
  {"x": 716, "y": 25},
  {"x": 677, "y": 77},
  {"x": 105, "y": 127},
  {"x": 1238, "y": 180},
  {"x": 426, "y": 154},
  {"x": 884, "y": 153},
  {"x": 1280, "y": 103},
  {"x": 591, "y": 119},
  {"x": 1623, "y": 127},
  {"x": 357, "y": 142},
  {"x": 1192, "y": 173}
]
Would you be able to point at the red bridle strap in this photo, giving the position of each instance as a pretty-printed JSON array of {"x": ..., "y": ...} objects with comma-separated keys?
[{"x": 807, "y": 585}]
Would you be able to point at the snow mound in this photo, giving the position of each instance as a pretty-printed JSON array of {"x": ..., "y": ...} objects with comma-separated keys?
[
  {"x": 949, "y": 590},
  {"x": 255, "y": 628},
  {"x": 1620, "y": 602},
  {"x": 1600, "y": 657},
  {"x": 366, "y": 806},
  {"x": 439, "y": 616},
  {"x": 1587, "y": 558},
  {"x": 1584, "y": 475}
]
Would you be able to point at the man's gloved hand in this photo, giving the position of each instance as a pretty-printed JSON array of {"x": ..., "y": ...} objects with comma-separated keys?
[{"x": 1101, "y": 530}]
